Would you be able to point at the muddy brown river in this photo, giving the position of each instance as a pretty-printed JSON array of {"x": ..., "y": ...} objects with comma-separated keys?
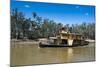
[{"x": 31, "y": 54}]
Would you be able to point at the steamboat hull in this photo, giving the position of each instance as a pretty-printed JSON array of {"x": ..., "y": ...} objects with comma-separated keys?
[{"x": 64, "y": 45}]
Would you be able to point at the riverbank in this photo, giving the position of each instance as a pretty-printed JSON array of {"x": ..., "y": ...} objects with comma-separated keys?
[
  {"x": 13, "y": 41},
  {"x": 89, "y": 40}
]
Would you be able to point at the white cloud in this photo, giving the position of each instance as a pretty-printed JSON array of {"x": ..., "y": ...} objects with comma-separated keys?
[
  {"x": 86, "y": 14},
  {"x": 77, "y": 6},
  {"x": 27, "y": 6}
]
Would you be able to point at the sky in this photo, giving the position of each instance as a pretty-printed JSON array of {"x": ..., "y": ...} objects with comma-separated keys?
[{"x": 60, "y": 13}]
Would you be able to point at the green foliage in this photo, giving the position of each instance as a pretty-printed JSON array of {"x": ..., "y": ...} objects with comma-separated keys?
[{"x": 39, "y": 27}]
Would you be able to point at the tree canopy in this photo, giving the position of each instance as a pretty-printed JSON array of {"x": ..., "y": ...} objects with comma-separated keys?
[{"x": 38, "y": 27}]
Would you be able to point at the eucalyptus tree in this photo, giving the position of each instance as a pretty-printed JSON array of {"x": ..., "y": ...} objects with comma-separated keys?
[
  {"x": 25, "y": 27},
  {"x": 34, "y": 15},
  {"x": 14, "y": 21},
  {"x": 44, "y": 28}
]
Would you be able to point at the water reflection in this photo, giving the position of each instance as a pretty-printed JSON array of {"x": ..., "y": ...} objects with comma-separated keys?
[
  {"x": 70, "y": 53},
  {"x": 31, "y": 54}
]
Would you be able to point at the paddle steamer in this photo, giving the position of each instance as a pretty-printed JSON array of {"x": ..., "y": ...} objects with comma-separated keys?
[{"x": 65, "y": 39}]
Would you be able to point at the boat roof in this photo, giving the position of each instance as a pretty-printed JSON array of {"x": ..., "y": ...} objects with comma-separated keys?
[
  {"x": 72, "y": 33},
  {"x": 65, "y": 31}
]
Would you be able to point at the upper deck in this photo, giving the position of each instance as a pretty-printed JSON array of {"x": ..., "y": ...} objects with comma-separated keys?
[{"x": 65, "y": 34}]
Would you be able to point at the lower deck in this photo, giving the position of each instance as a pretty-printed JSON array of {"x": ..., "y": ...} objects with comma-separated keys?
[
  {"x": 70, "y": 42},
  {"x": 65, "y": 43}
]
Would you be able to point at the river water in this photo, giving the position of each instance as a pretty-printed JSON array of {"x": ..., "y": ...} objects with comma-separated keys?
[{"x": 31, "y": 54}]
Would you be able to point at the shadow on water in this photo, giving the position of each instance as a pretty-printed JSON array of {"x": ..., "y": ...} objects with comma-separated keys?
[{"x": 28, "y": 54}]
